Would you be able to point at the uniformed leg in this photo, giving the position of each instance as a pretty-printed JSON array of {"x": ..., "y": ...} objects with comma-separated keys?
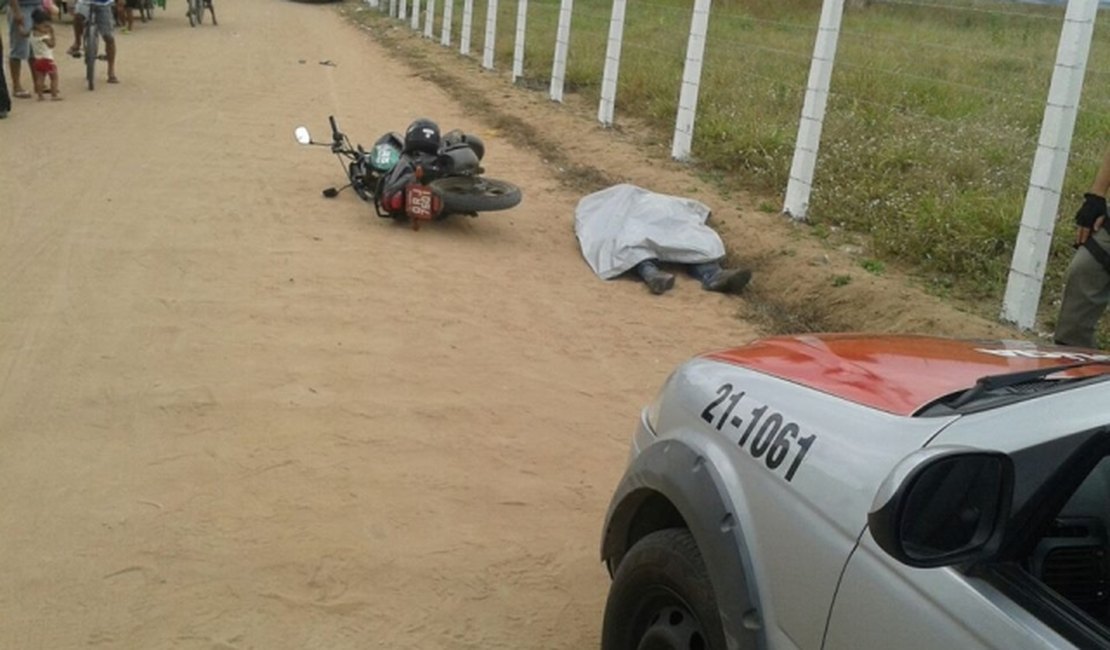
[{"x": 1086, "y": 294}]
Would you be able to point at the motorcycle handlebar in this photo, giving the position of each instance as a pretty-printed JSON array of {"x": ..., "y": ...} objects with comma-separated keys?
[{"x": 338, "y": 140}]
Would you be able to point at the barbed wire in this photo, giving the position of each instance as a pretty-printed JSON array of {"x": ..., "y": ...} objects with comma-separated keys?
[
  {"x": 686, "y": 11},
  {"x": 716, "y": 44},
  {"x": 603, "y": 34},
  {"x": 765, "y": 77},
  {"x": 945, "y": 82},
  {"x": 676, "y": 56},
  {"x": 940, "y": 46},
  {"x": 991, "y": 129},
  {"x": 733, "y": 16},
  {"x": 603, "y": 17},
  {"x": 805, "y": 57},
  {"x": 952, "y": 7}
]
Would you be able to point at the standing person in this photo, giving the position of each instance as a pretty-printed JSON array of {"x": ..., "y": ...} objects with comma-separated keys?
[
  {"x": 129, "y": 13},
  {"x": 5, "y": 98},
  {"x": 19, "y": 26},
  {"x": 42, "y": 47},
  {"x": 101, "y": 12},
  {"x": 1087, "y": 284}
]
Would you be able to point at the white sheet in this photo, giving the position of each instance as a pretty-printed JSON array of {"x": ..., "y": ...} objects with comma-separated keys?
[{"x": 623, "y": 225}]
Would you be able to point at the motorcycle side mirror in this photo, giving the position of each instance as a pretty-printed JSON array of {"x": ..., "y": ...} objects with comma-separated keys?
[{"x": 302, "y": 135}]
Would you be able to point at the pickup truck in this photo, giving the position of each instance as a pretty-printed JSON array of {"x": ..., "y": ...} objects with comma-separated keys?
[{"x": 857, "y": 492}]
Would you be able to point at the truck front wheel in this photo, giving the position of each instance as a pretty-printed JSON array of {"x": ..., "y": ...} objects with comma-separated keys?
[{"x": 661, "y": 598}]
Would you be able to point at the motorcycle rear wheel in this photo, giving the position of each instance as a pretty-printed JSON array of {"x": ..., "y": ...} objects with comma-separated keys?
[{"x": 466, "y": 194}]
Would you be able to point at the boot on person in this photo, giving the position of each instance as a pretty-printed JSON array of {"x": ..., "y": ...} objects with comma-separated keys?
[
  {"x": 658, "y": 280},
  {"x": 715, "y": 278}
]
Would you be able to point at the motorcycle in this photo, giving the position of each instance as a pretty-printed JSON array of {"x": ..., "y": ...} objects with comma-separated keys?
[{"x": 429, "y": 184}]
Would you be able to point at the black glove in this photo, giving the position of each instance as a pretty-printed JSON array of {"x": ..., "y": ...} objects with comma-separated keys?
[{"x": 1094, "y": 206}]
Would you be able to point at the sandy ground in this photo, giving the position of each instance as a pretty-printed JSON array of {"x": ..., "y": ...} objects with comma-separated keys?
[{"x": 234, "y": 414}]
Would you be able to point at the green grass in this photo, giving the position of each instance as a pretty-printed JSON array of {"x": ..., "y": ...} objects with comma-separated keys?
[{"x": 931, "y": 129}]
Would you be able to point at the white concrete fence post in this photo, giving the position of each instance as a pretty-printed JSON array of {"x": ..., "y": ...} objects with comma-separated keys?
[
  {"x": 562, "y": 46},
  {"x": 448, "y": 15},
  {"x": 612, "y": 64},
  {"x": 393, "y": 8},
  {"x": 1042, "y": 198},
  {"x": 691, "y": 79},
  {"x": 467, "y": 25},
  {"x": 415, "y": 24},
  {"x": 491, "y": 35},
  {"x": 430, "y": 19},
  {"x": 518, "y": 44},
  {"x": 403, "y": 10},
  {"x": 800, "y": 185}
]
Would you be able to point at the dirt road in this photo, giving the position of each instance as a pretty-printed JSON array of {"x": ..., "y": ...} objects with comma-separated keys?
[{"x": 234, "y": 414}]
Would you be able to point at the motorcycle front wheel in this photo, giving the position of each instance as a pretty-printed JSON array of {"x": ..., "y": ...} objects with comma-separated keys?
[
  {"x": 466, "y": 194},
  {"x": 364, "y": 184}
]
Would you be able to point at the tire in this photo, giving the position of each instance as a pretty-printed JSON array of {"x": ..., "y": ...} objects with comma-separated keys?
[
  {"x": 466, "y": 194},
  {"x": 661, "y": 598},
  {"x": 357, "y": 176},
  {"x": 92, "y": 44}
]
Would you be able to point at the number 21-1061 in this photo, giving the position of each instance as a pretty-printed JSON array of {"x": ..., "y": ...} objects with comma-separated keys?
[{"x": 764, "y": 433}]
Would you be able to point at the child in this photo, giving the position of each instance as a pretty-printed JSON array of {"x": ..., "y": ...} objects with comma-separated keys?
[{"x": 42, "y": 53}]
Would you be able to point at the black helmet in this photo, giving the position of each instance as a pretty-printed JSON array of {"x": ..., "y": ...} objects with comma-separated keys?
[{"x": 422, "y": 135}]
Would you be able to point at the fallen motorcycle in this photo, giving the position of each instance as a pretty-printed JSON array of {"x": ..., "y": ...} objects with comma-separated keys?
[{"x": 419, "y": 176}]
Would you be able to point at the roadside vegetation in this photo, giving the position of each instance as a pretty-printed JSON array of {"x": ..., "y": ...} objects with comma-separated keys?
[{"x": 931, "y": 129}]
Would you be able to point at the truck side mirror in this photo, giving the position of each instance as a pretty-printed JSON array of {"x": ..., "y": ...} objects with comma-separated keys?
[{"x": 943, "y": 506}]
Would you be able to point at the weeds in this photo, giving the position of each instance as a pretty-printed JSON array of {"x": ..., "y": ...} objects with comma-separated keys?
[{"x": 932, "y": 124}]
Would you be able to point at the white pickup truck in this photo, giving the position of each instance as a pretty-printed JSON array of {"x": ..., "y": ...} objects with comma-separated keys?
[{"x": 850, "y": 492}]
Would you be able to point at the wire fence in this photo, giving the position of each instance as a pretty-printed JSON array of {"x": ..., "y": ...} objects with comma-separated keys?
[{"x": 932, "y": 112}]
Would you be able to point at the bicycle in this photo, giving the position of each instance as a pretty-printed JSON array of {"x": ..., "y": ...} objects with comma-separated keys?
[{"x": 92, "y": 44}]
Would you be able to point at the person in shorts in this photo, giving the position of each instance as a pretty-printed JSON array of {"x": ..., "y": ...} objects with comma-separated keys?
[
  {"x": 101, "y": 12},
  {"x": 42, "y": 51},
  {"x": 19, "y": 27},
  {"x": 128, "y": 10}
]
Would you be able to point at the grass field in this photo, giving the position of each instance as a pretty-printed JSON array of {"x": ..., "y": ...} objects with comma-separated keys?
[{"x": 933, "y": 117}]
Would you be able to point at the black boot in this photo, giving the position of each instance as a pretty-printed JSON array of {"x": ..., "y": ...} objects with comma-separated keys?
[
  {"x": 715, "y": 278},
  {"x": 658, "y": 280}
]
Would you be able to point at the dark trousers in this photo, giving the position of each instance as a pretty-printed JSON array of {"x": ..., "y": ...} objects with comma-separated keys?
[
  {"x": 703, "y": 272},
  {"x": 5, "y": 98}
]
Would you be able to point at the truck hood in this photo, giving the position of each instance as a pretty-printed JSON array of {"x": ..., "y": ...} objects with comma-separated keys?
[{"x": 899, "y": 374}]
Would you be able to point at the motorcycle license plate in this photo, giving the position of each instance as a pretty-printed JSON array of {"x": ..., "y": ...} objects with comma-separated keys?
[{"x": 420, "y": 202}]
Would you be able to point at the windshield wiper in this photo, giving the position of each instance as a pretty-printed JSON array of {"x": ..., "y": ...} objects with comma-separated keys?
[{"x": 994, "y": 382}]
